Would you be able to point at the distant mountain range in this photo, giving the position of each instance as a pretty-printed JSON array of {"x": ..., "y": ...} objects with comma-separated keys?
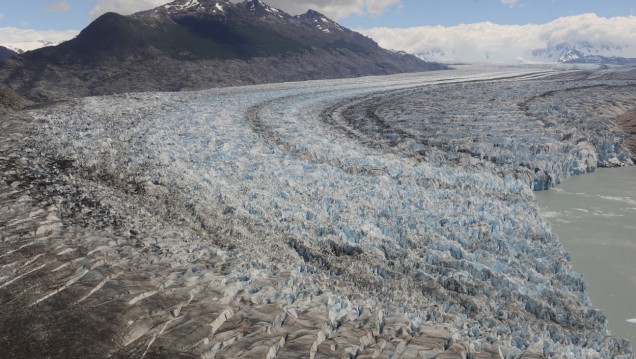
[
  {"x": 579, "y": 53},
  {"x": 190, "y": 44},
  {"x": 583, "y": 53},
  {"x": 583, "y": 38},
  {"x": 24, "y": 46}
]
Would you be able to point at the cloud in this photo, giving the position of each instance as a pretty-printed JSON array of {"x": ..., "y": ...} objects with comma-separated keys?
[
  {"x": 59, "y": 6},
  {"x": 1, "y": 16},
  {"x": 29, "y": 39},
  {"x": 511, "y": 3},
  {"x": 377, "y": 7},
  {"x": 124, "y": 7},
  {"x": 334, "y": 9},
  {"x": 488, "y": 42}
]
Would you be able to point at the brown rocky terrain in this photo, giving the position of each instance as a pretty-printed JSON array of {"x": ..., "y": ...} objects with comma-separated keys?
[
  {"x": 10, "y": 101},
  {"x": 627, "y": 123}
]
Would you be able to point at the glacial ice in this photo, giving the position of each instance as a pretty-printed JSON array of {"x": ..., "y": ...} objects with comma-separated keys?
[{"x": 411, "y": 193}]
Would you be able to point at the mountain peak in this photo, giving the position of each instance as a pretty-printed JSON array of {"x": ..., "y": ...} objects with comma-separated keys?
[
  {"x": 255, "y": 4},
  {"x": 320, "y": 21},
  {"x": 313, "y": 14},
  {"x": 261, "y": 8},
  {"x": 189, "y": 6}
]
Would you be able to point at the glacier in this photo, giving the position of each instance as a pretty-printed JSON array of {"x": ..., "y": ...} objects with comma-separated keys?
[{"x": 401, "y": 201}]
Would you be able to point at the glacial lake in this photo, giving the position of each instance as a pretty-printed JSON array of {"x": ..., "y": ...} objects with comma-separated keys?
[{"x": 594, "y": 216}]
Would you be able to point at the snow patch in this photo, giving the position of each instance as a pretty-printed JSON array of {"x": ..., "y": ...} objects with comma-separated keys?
[
  {"x": 22, "y": 47},
  {"x": 187, "y": 5}
]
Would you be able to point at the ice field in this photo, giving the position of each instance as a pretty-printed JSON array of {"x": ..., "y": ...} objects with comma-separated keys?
[{"x": 373, "y": 217}]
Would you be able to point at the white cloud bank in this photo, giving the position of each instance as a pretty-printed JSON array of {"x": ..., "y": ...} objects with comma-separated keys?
[
  {"x": 488, "y": 42},
  {"x": 29, "y": 39},
  {"x": 124, "y": 7},
  {"x": 335, "y": 9},
  {"x": 59, "y": 6}
]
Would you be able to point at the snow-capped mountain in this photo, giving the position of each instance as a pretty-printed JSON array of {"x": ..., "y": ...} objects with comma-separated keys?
[
  {"x": 582, "y": 52},
  {"x": 198, "y": 44},
  {"x": 22, "y": 40},
  {"x": 24, "y": 46}
]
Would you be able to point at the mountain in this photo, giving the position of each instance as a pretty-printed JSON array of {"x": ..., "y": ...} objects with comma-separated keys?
[
  {"x": 597, "y": 59},
  {"x": 6, "y": 53},
  {"x": 190, "y": 44},
  {"x": 578, "y": 53},
  {"x": 583, "y": 53}
]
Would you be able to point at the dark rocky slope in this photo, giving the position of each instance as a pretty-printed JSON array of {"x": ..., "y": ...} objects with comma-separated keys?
[
  {"x": 6, "y": 53},
  {"x": 193, "y": 45}
]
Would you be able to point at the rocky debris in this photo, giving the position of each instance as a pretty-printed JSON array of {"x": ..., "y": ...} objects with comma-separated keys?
[
  {"x": 11, "y": 101},
  {"x": 561, "y": 132},
  {"x": 269, "y": 221},
  {"x": 627, "y": 123}
]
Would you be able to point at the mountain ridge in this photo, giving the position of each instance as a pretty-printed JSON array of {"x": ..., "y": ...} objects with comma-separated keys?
[
  {"x": 200, "y": 44},
  {"x": 584, "y": 53},
  {"x": 580, "y": 53},
  {"x": 6, "y": 53}
]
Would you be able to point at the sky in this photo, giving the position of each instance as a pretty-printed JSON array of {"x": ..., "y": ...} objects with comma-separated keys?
[
  {"x": 394, "y": 24},
  {"x": 357, "y": 14}
]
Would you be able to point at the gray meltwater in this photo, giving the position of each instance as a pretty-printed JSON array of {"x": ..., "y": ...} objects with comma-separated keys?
[{"x": 594, "y": 216}]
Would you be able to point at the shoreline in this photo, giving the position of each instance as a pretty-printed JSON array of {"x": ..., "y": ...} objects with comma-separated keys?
[{"x": 589, "y": 220}]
